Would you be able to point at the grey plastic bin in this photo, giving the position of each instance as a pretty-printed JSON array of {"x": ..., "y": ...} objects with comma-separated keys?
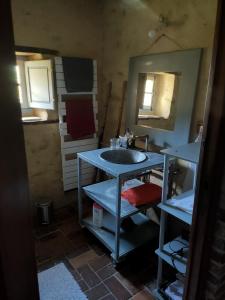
[{"x": 44, "y": 212}]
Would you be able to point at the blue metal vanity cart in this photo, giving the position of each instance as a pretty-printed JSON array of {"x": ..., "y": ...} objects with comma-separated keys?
[
  {"x": 108, "y": 195},
  {"x": 175, "y": 252}
]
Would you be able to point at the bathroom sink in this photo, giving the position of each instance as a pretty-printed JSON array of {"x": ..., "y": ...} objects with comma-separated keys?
[{"x": 123, "y": 156}]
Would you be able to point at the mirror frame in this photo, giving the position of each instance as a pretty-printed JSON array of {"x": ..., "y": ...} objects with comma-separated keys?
[{"x": 187, "y": 63}]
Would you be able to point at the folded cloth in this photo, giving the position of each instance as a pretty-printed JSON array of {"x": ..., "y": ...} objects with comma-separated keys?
[
  {"x": 186, "y": 203},
  {"x": 147, "y": 193},
  {"x": 80, "y": 117},
  {"x": 78, "y": 74},
  {"x": 175, "y": 290}
]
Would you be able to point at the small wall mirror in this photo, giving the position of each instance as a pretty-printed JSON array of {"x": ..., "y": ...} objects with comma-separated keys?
[{"x": 161, "y": 93}]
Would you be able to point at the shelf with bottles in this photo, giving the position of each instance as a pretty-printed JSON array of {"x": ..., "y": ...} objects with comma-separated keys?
[
  {"x": 104, "y": 193},
  {"x": 108, "y": 195},
  {"x": 141, "y": 232}
]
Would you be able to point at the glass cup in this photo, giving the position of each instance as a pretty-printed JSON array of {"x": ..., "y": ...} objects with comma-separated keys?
[{"x": 114, "y": 143}]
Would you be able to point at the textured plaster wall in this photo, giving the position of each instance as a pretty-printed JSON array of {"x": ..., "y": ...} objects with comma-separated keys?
[
  {"x": 165, "y": 95},
  {"x": 74, "y": 28},
  {"x": 44, "y": 162},
  {"x": 71, "y": 27},
  {"x": 126, "y": 26},
  {"x": 163, "y": 102},
  {"x": 110, "y": 31}
]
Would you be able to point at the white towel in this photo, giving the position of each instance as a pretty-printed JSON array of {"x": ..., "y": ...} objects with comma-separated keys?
[
  {"x": 186, "y": 203},
  {"x": 175, "y": 290}
]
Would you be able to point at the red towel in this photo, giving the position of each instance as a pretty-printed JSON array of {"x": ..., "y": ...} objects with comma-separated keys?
[
  {"x": 80, "y": 117},
  {"x": 148, "y": 193}
]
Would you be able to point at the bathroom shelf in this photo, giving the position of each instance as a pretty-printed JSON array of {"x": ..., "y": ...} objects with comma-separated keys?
[
  {"x": 144, "y": 231},
  {"x": 159, "y": 294},
  {"x": 175, "y": 261},
  {"x": 108, "y": 195},
  {"x": 178, "y": 212},
  {"x": 104, "y": 193},
  {"x": 189, "y": 152}
]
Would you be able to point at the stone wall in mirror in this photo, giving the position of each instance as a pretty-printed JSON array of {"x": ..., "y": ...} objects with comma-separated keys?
[
  {"x": 156, "y": 99},
  {"x": 161, "y": 95}
]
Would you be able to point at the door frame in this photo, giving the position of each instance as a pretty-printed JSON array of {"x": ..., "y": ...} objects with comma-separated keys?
[
  {"x": 18, "y": 272},
  {"x": 211, "y": 166}
]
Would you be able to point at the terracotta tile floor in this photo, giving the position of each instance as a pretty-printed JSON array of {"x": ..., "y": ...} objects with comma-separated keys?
[{"x": 90, "y": 262}]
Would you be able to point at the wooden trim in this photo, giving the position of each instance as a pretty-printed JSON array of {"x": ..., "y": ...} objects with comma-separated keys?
[
  {"x": 212, "y": 165},
  {"x": 18, "y": 273},
  {"x": 35, "y": 50}
]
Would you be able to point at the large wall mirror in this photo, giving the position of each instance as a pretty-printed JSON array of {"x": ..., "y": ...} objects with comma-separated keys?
[{"x": 161, "y": 93}]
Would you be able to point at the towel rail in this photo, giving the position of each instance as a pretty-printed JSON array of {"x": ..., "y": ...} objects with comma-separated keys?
[{"x": 70, "y": 147}]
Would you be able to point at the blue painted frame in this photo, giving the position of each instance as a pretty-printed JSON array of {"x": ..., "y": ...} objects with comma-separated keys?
[{"x": 187, "y": 63}]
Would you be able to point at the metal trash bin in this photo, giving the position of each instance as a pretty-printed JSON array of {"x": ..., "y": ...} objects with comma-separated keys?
[{"x": 44, "y": 212}]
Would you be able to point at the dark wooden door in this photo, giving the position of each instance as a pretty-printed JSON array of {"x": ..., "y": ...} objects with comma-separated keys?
[
  {"x": 210, "y": 180},
  {"x": 18, "y": 274}
]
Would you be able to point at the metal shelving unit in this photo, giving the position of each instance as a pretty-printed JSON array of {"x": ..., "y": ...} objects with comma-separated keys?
[
  {"x": 108, "y": 195},
  {"x": 180, "y": 214},
  {"x": 174, "y": 260},
  {"x": 167, "y": 251},
  {"x": 145, "y": 231}
]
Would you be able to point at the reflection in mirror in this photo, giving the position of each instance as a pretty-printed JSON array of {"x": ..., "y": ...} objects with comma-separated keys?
[{"x": 156, "y": 99}]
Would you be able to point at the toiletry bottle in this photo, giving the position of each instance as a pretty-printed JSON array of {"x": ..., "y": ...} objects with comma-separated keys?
[
  {"x": 97, "y": 215},
  {"x": 130, "y": 138}
]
